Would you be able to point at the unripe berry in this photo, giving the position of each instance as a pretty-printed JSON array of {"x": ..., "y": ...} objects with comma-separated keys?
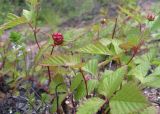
[
  {"x": 150, "y": 17},
  {"x": 103, "y": 21}
]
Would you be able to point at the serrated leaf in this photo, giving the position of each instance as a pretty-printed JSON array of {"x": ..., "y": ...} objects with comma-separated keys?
[
  {"x": 148, "y": 57},
  {"x": 111, "y": 83},
  {"x": 13, "y": 23},
  {"x": 11, "y": 17},
  {"x": 105, "y": 41},
  {"x": 140, "y": 71},
  {"x": 128, "y": 100},
  {"x": 77, "y": 80},
  {"x": 92, "y": 84},
  {"x": 152, "y": 81},
  {"x": 116, "y": 44},
  {"x": 150, "y": 110},
  {"x": 57, "y": 80},
  {"x": 91, "y": 67},
  {"x": 91, "y": 106},
  {"x": 80, "y": 91},
  {"x": 62, "y": 60},
  {"x": 95, "y": 48}
]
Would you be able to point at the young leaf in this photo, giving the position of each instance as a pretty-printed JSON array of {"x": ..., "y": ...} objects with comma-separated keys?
[
  {"x": 28, "y": 14},
  {"x": 91, "y": 67},
  {"x": 111, "y": 83},
  {"x": 128, "y": 100},
  {"x": 96, "y": 48},
  {"x": 91, "y": 106}
]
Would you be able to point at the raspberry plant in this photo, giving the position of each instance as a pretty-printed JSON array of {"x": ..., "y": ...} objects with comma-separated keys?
[{"x": 99, "y": 69}]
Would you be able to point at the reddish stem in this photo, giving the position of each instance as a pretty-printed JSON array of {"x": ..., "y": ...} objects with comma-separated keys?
[{"x": 131, "y": 58}]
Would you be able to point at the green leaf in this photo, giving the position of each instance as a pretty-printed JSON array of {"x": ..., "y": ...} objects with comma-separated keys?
[
  {"x": 91, "y": 106},
  {"x": 62, "y": 60},
  {"x": 80, "y": 91},
  {"x": 116, "y": 44},
  {"x": 11, "y": 17},
  {"x": 15, "y": 37},
  {"x": 12, "y": 23},
  {"x": 105, "y": 41},
  {"x": 61, "y": 98},
  {"x": 95, "y": 48},
  {"x": 58, "y": 79},
  {"x": 40, "y": 53},
  {"x": 128, "y": 100},
  {"x": 112, "y": 82},
  {"x": 28, "y": 14},
  {"x": 150, "y": 110},
  {"x": 133, "y": 36},
  {"x": 91, "y": 67},
  {"x": 134, "y": 16},
  {"x": 77, "y": 80},
  {"x": 152, "y": 81},
  {"x": 140, "y": 71},
  {"x": 156, "y": 24},
  {"x": 148, "y": 57},
  {"x": 33, "y": 2},
  {"x": 92, "y": 84}
]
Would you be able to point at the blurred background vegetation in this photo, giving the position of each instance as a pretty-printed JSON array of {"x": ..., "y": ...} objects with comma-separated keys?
[{"x": 54, "y": 12}]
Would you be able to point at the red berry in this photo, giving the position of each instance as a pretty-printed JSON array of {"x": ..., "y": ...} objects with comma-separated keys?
[
  {"x": 58, "y": 38},
  {"x": 150, "y": 17}
]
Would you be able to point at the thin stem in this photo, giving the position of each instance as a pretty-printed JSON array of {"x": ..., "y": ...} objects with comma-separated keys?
[
  {"x": 131, "y": 58},
  {"x": 49, "y": 72},
  {"x": 113, "y": 34},
  {"x": 85, "y": 81},
  {"x": 49, "y": 75},
  {"x": 57, "y": 97},
  {"x": 114, "y": 29},
  {"x": 106, "y": 102}
]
